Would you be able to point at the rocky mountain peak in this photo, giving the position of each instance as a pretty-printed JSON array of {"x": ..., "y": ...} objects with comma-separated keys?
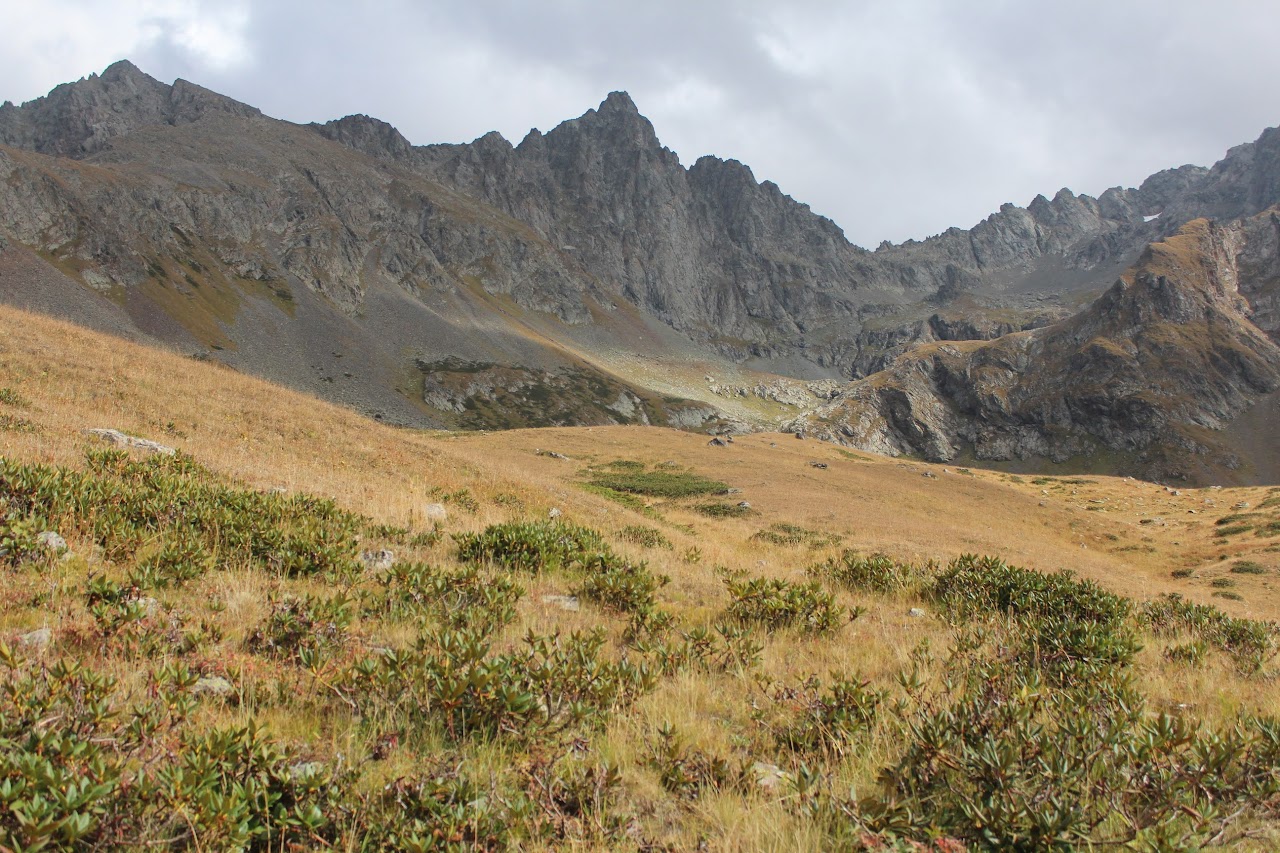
[
  {"x": 80, "y": 119},
  {"x": 365, "y": 133}
]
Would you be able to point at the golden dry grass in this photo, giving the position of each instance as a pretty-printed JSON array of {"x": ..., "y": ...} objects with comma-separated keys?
[{"x": 1125, "y": 534}]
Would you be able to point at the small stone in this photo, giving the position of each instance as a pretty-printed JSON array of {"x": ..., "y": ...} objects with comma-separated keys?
[
  {"x": 733, "y": 491},
  {"x": 821, "y": 465},
  {"x": 1176, "y": 493},
  {"x": 554, "y": 512},
  {"x": 114, "y": 436},
  {"x": 551, "y": 453},
  {"x": 52, "y": 541},
  {"x": 929, "y": 475},
  {"x": 717, "y": 442},
  {"x": 744, "y": 505},
  {"x": 564, "y": 602},
  {"x": 378, "y": 561},
  {"x": 769, "y": 776},
  {"x": 1242, "y": 505},
  {"x": 916, "y": 613},
  {"x": 212, "y": 685},
  {"x": 149, "y": 606},
  {"x": 435, "y": 512},
  {"x": 37, "y": 639},
  {"x": 800, "y": 435}
]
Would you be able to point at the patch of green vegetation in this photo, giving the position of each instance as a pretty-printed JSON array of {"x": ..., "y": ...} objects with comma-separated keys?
[
  {"x": 632, "y": 502},
  {"x": 876, "y": 573},
  {"x": 1251, "y": 644},
  {"x": 1248, "y": 567},
  {"x": 1222, "y": 583},
  {"x": 1238, "y": 517},
  {"x": 773, "y": 604},
  {"x": 784, "y": 533},
  {"x": 722, "y": 509},
  {"x": 1230, "y": 596},
  {"x": 657, "y": 483},
  {"x": 1234, "y": 530},
  {"x": 530, "y": 546},
  {"x": 649, "y": 537},
  {"x": 1182, "y": 573},
  {"x": 13, "y": 423},
  {"x": 171, "y": 505},
  {"x": 10, "y": 397}
]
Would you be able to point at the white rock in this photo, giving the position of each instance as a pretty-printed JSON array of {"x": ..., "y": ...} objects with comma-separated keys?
[
  {"x": 212, "y": 685},
  {"x": 37, "y": 639},
  {"x": 436, "y": 512},
  {"x": 378, "y": 561},
  {"x": 769, "y": 776},
  {"x": 52, "y": 541},
  {"x": 916, "y": 613},
  {"x": 114, "y": 436},
  {"x": 555, "y": 512},
  {"x": 564, "y": 602}
]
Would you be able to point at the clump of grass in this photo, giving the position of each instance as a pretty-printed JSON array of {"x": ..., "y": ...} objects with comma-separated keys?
[
  {"x": 10, "y": 397},
  {"x": 649, "y": 537},
  {"x": 1229, "y": 595},
  {"x": 656, "y": 483},
  {"x": 722, "y": 509},
  {"x": 784, "y": 533},
  {"x": 13, "y": 423},
  {"x": 1247, "y": 567},
  {"x": 1222, "y": 583},
  {"x": 1182, "y": 573}
]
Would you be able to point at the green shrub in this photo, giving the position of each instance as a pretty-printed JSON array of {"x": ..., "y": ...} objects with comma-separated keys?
[
  {"x": 302, "y": 629},
  {"x": 773, "y": 604},
  {"x": 649, "y": 537},
  {"x": 877, "y": 573},
  {"x": 1072, "y": 627},
  {"x": 530, "y": 546},
  {"x": 722, "y": 509},
  {"x": 783, "y": 533},
  {"x": 828, "y": 722},
  {"x": 121, "y": 504},
  {"x": 1250, "y": 644},
  {"x": 624, "y": 586},
  {"x": 13, "y": 423},
  {"x": 453, "y": 598},
  {"x": 1247, "y": 567}
]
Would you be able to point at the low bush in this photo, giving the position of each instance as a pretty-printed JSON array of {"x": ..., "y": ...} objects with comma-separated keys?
[
  {"x": 649, "y": 537},
  {"x": 530, "y": 546},
  {"x": 773, "y": 604},
  {"x": 877, "y": 573}
]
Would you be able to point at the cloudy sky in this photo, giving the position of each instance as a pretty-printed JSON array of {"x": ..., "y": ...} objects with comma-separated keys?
[{"x": 896, "y": 118}]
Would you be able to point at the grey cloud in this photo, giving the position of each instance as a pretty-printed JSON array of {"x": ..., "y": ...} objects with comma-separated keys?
[{"x": 895, "y": 118}]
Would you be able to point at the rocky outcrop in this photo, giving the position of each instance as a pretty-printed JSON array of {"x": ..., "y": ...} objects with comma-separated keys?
[
  {"x": 339, "y": 251},
  {"x": 80, "y": 119},
  {"x": 1167, "y": 355}
]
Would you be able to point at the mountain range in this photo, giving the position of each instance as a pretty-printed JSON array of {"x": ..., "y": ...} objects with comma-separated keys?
[{"x": 586, "y": 276}]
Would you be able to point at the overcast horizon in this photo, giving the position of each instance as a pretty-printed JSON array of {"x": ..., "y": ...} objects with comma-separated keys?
[{"x": 895, "y": 119}]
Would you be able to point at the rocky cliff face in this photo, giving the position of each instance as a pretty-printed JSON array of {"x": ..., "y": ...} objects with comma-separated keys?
[
  {"x": 339, "y": 257},
  {"x": 1167, "y": 355}
]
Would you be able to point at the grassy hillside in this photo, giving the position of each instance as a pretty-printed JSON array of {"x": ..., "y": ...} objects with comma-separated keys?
[{"x": 581, "y": 638}]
